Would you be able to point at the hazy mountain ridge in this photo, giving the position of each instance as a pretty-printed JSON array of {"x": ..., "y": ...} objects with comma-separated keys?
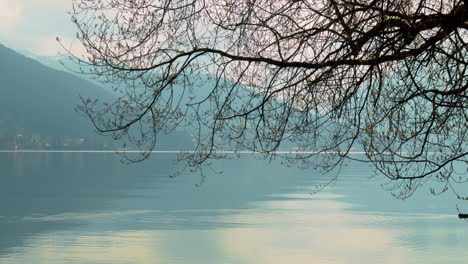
[
  {"x": 37, "y": 107},
  {"x": 54, "y": 90},
  {"x": 37, "y": 104}
]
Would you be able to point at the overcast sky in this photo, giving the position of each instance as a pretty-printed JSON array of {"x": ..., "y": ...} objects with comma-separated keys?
[{"x": 34, "y": 25}]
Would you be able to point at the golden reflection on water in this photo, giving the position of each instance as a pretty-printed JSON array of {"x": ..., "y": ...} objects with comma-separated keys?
[
  {"x": 165, "y": 222},
  {"x": 124, "y": 247},
  {"x": 282, "y": 231},
  {"x": 312, "y": 232}
]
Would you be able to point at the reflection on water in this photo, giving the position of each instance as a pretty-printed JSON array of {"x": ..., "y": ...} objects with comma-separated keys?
[{"x": 90, "y": 208}]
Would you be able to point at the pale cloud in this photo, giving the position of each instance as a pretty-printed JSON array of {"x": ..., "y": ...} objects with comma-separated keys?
[
  {"x": 11, "y": 14},
  {"x": 52, "y": 3},
  {"x": 49, "y": 46},
  {"x": 34, "y": 25}
]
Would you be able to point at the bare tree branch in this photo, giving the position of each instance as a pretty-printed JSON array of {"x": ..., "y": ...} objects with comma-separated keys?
[{"x": 388, "y": 78}]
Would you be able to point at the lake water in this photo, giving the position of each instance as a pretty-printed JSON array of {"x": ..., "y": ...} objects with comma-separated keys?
[{"x": 91, "y": 208}]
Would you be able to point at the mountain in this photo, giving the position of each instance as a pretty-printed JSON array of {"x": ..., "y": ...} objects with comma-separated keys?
[
  {"x": 39, "y": 101},
  {"x": 63, "y": 63},
  {"x": 57, "y": 87},
  {"x": 37, "y": 107}
]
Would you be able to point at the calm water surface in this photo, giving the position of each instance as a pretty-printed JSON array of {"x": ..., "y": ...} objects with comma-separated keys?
[{"x": 90, "y": 208}]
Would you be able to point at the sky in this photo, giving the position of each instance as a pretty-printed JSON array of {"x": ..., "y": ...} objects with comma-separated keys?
[{"x": 34, "y": 25}]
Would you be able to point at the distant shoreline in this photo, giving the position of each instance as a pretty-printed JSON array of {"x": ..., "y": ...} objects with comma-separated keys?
[{"x": 166, "y": 151}]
